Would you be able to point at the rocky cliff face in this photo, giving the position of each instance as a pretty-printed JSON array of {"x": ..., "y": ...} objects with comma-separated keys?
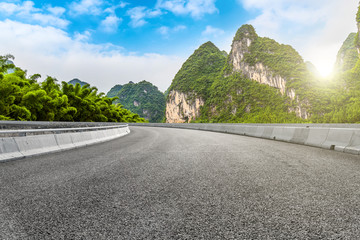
[
  {"x": 207, "y": 79},
  {"x": 191, "y": 85},
  {"x": 258, "y": 71},
  {"x": 179, "y": 109}
]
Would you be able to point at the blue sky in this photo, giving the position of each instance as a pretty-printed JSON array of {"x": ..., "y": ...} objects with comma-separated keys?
[{"x": 108, "y": 42}]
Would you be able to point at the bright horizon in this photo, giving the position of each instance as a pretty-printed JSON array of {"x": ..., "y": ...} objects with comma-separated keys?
[{"x": 113, "y": 42}]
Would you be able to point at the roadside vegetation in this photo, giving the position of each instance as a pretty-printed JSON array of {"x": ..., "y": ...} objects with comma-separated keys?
[{"x": 23, "y": 98}]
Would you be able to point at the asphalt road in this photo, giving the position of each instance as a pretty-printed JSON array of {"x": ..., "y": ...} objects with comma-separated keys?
[{"x": 159, "y": 183}]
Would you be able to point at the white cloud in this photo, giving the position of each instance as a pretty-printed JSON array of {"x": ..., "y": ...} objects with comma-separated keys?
[
  {"x": 276, "y": 14},
  {"x": 57, "y": 11},
  {"x": 211, "y": 31},
  {"x": 112, "y": 9},
  {"x": 28, "y": 12},
  {"x": 139, "y": 14},
  {"x": 110, "y": 24},
  {"x": 123, "y": 4},
  {"x": 164, "y": 30},
  {"x": 315, "y": 28},
  {"x": 82, "y": 37},
  {"x": 196, "y": 8},
  {"x": 50, "y": 51},
  {"x": 26, "y": 8},
  {"x": 92, "y": 7},
  {"x": 49, "y": 20},
  {"x": 8, "y": 8},
  {"x": 179, "y": 28}
]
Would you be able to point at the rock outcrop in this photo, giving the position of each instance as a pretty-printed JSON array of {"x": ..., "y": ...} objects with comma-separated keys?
[
  {"x": 258, "y": 71},
  {"x": 222, "y": 86},
  {"x": 191, "y": 85},
  {"x": 180, "y": 109}
]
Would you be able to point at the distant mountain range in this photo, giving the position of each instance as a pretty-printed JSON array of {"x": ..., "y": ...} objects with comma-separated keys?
[
  {"x": 260, "y": 81},
  {"x": 142, "y": 98},
  {"x": 75, "y": 81},
  {"x": 263, "y": 81}
]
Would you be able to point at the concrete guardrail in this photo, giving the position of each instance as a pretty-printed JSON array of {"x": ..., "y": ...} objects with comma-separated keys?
[
  {"x": 15, "y": 144},
  {"x": 34, "y": 138},
  {"x": 338, "y": 137}
]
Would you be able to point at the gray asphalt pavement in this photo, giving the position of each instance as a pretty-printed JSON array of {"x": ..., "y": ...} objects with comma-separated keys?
[{"x": 159, "y": 183}]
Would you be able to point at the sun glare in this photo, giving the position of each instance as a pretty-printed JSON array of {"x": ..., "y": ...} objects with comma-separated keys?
[
  {"x": 325, "y": 73},
  {"x": 325, "y": 69}
]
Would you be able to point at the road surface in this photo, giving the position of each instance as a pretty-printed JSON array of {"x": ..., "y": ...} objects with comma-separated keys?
[{"x": 159, "y": 183}]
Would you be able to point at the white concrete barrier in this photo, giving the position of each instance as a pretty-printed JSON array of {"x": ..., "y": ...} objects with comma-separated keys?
[
  {"x": 300, "y": 135},
  {"x": 259, "y": 131},
  {"x": 285, "y": 134},
  {"x": 268, "y": 132},
  {"x": 354, "y": 146},
  {"x": 37, "y": 144},
  {"x": 277, "y": 134},
  {"x": 250, "y": 131},
  {"x": 237, "y": 129},
  {"x": 24, "y": 146},
  {"x": 9, "y": 149},
  {"x": 339, "y": 137},
  {"x": 317, "y": 136},
  {"x": 64, "y": 141}
]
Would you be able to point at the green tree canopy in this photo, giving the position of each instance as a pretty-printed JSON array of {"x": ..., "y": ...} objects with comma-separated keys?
[{"x": 23, "y": 98}]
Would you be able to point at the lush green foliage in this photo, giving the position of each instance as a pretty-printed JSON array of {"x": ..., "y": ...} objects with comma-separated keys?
[
  {"x": 142, "y": 98},
  {"x": 114, "y": 91},
  {"x": 340, "y": 97},
  {"x": 311, "y": 68},
  {"x": 347, "y": 56},
  {"x": 224, "y": 53},
  {"x": 232, "y": 98},
  {"x": 245, "y": 31},
  {"x": 197, "y": 74},
  {"x": 344, "y": 100},
  {"x": 357, "y": 40},
  {"x": 229, "y": 97},
  {"x": 76, "y": 80},
  {"x": 237, "y": 99},
  {"x": 282, "y": 59},
  {"x": 23, "y": 98},
  {"x": 6, "y": 64}
]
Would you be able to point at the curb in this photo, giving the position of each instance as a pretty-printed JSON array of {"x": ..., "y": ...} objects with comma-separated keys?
[{"x": 12, "y": 148}]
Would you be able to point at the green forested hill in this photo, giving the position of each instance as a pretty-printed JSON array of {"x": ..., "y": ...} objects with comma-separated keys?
[
  {"x": 238, "y": 99},
  {"x": 281, "y": 59},
  {"x": 114, "y": 91},
  {"x": 232, "y": 96},
  {"x": 23, "y": 98},
  {"x": 142, "y": 98},
  {"x": 76, "y": 80},
  {"x": 347, "y": 55},
  {"x": 344, "y": 89},
  {"x": 199, "y": 71},
  {"x": 227, "y": 94}
]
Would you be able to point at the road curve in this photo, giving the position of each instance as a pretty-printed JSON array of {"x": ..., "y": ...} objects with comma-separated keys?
[{"x": 159, "y": 183}]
